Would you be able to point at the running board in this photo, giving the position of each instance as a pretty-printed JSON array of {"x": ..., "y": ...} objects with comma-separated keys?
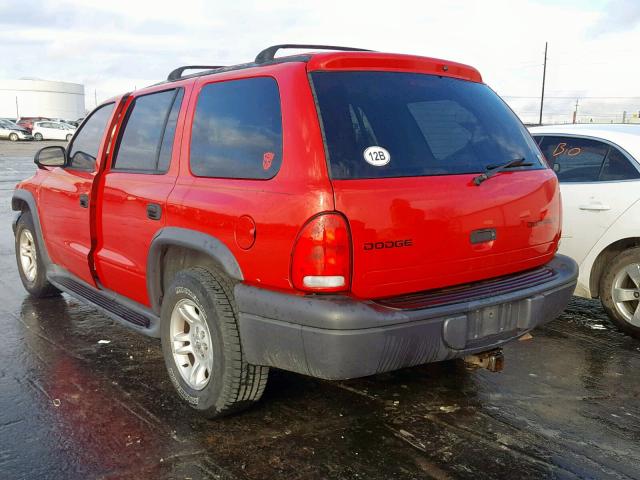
[{"x": 113, "y": 305}]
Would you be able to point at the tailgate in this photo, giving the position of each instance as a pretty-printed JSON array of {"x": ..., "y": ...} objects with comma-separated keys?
[
  {"x": 403, "y": 149},
  {"x": 413, "y": 234}
]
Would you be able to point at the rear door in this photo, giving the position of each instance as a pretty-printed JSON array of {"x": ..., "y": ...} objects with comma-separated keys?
[
  {"x": 64, "y": 198},
  {"x": 598, "y": 184},
  {"x": 403, "y": 150},
  {"x": 134, "y": 191},
  {"x": 47, "y": 130}
]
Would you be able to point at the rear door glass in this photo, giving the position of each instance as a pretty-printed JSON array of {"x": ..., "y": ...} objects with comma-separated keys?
[
  {"x": 574, "y": 159},
  {"x": 425, "y": 124}
]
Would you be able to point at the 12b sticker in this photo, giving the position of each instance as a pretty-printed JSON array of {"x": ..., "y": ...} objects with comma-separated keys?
[{"x": 377, "y": 156}]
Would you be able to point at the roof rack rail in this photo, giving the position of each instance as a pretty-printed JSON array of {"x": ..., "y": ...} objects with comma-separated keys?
[
  {"x": 177, "y": 73},
  {"x": 269, "y": 53}
]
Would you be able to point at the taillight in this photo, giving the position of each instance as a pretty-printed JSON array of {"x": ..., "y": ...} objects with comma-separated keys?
[{"x": 321, "y": 260}]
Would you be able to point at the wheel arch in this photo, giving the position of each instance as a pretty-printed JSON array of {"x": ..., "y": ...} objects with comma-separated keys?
[
  {"x": 174, "y": 249},
  {"x": 23, "y": 201},
  {"x": 605, "y": 257}
]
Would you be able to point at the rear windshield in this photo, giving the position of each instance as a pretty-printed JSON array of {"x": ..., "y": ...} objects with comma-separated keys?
[{"x": 388, "y": 124}]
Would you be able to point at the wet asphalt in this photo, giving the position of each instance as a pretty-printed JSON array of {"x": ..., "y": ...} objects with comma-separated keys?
[{"x": 83, "y": 397}]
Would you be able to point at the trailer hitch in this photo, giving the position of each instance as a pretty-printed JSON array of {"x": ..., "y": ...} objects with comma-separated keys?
[{"x": 492, "y": 360}]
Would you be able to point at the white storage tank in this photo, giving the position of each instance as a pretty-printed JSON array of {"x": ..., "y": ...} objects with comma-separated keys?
[{"x": 41, "y": 98}]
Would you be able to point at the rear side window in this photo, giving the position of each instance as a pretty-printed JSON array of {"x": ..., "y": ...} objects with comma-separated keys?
[
  {"x": 617, "y": 167},
  {"x": 86, "y": 143},
  {"x": 237, "y": 130},
  {"x": 586, "y": 160},
  {"x": 149, "y": 128},
  {"x": 421, "y": 124}
]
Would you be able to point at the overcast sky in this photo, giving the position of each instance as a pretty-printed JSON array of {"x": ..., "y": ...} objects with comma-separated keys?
[{"x": 114, "y": 46}]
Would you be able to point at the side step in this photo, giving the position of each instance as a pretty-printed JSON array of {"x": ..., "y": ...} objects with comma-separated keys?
[{"x": 113, "y": 305}]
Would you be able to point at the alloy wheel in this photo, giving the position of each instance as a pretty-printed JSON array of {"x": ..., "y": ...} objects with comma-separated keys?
[
  {"x": 625, "y": 292},
  {"x": 191, "y": 344},
  {"x": 28, "y": 255}
]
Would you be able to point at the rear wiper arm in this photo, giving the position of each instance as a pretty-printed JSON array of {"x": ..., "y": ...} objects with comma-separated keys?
[{"x": 492, "y": 170}]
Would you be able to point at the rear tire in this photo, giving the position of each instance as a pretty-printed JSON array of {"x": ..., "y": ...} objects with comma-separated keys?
[
  {"x": 201, "y": 345},
  {"x": 620, "y": 291},
  {"x": 38, "y": 137},
  {"x": 31, "y": 268},
  {"x": 13, "y": 137}
]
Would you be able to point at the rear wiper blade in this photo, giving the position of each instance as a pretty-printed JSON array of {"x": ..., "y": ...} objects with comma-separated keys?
[{"x": 492, "y": 170}]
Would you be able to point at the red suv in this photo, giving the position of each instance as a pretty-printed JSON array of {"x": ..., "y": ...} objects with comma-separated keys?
[{"x": 335, "y": 214}]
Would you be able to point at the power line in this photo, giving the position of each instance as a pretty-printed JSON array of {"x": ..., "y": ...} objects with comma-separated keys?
[{"x": 572, "y": 97}]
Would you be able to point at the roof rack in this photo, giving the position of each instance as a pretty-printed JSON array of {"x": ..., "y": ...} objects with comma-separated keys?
[
  {"x": 177, "y": 73},
  {"x": 265, "y": 56},
  {"x": 268, "y": 54}
]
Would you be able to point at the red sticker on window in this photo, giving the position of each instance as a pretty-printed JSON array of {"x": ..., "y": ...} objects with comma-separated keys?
[{"x": 267, "y": 160}]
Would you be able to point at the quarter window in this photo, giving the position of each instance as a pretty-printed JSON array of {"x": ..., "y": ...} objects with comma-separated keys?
[
  {"x": 85, "y": 146},
  {"x": 618, "y": 167},
  {"x": 149, "y": 128},
  {"x": 237, "y": 130}
]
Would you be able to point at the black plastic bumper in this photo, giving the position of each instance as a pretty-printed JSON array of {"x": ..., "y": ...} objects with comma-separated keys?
[{"x": 337, "y": 337}]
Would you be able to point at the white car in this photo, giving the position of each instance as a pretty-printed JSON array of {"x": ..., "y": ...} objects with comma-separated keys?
[
  {"x": 49, "y": 130},
  {"x": 598, "y": 167},
  {"x": 13, "y": 132}
]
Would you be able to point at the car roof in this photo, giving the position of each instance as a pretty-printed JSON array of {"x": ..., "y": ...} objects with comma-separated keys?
[
  {"x": 627, "y": 136},
  {"x": 339, "y": 58}
]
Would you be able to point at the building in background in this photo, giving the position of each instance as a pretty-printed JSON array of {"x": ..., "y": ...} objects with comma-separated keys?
[{"x": 41, "y": 98}]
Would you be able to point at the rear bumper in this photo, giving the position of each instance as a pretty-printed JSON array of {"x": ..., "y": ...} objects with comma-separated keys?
[{"x": 338, "y": 337}]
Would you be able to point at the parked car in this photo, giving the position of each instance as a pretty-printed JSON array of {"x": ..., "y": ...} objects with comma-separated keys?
[
  {"x": 63, "y": 121},
  {"x": 335, "y": 214},
  {"x": 52, "y": 131},
  {"x": 27, "y": 122},
  {"x": 599, "y": 171},
  {"x": 13, "y": 132}
]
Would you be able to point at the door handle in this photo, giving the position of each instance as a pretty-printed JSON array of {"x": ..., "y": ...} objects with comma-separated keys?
[
  {"x": 595, "y": 207},
  {"x": 154, "y": 211},
  {"x": 84, "y": 200}
]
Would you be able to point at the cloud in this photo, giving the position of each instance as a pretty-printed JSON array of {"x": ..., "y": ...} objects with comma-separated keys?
[
  {"x": 113, "y": 47},
  {"x": 619, "y": 16}
]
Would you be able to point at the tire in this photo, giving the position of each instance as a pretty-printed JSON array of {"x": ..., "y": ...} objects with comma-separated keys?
[
  {"x": 231, "y": 385},
  {"x": 620, "y": 291},
  {"x": 13, "y": 137},
  {"x": 38, "y": 137},
  {"x": 69, "y": 137},
  {"x": 32, "y": 272}
]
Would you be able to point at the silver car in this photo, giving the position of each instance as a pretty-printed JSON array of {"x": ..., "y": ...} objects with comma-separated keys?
[{"x": 13, "y": 132}]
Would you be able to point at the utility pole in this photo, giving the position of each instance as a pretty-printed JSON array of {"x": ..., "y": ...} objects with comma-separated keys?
[
  {"x": 575, "y": 112},
  {"x": 95, "y": 96},
  {"x": 544, "y": 77},
  {"x": 624, "y": 116},
  {"x": 17, "y": 110}
]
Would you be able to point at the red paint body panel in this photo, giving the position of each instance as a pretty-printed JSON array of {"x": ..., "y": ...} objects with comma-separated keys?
[
  {"x": 438, "y": 215},
  {"x": 65, "y": 224},
  {"x": 280, "y": 206},
  {"x": 67, "y": 227},
  {"x": 110, "y": 241}
]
